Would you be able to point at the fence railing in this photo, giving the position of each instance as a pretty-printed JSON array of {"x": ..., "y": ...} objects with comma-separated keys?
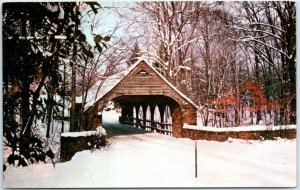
[{"x": 155, "y": 126}]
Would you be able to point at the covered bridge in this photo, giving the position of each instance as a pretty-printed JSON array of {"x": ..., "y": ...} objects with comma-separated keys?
[{"x": 141, "y": 87}]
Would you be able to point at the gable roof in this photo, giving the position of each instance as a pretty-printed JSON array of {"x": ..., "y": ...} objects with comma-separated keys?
[{"x": 102, "y": 87}]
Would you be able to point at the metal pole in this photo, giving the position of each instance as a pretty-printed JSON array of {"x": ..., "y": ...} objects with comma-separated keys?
[{"x": 196, "y": 172}]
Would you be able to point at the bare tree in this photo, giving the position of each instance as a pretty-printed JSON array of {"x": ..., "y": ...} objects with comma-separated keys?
[
  {"x": 269, "y": 30},
  {"x": 168, "y": 30}
]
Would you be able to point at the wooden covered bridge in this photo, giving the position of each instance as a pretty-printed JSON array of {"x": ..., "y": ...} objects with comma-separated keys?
[{"x": 141, "y": 88}]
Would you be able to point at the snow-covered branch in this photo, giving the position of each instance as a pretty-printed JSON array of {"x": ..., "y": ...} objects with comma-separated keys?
[
  {"x": 185, "y": 44},
  {"x": 261, "y": 31},
  {"x": 56, "y": 37},
  {"x": 265, "y": 24}
]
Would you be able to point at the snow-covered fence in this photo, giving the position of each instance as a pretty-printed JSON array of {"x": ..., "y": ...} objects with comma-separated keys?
[{"x": 247, "y": 133}]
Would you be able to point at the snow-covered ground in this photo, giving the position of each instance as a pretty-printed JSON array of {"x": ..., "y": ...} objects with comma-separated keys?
[
  {"x": 136, "y": 158},
  {"x": 155, "y": 160}
]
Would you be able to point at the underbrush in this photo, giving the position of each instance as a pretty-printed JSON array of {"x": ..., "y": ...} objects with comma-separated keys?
[{"x": 24, "y": 150}]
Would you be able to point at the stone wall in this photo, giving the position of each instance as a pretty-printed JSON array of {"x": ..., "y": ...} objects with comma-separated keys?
[
  {"x": 179, "y": 117},
  {"x": 71, "y": 145},
  {"x": 176, "y": 122},
  {"x": 247, "y": 135},
  {"x": 189, "y": 115}
]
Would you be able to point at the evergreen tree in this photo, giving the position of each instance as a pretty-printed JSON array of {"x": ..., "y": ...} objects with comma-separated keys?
[
  {"x": 135, "y": 53},
  {"x": 37, "y": 37}
]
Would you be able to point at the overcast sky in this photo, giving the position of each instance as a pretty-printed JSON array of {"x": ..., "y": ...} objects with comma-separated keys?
[{"x": 106, "y": 20}]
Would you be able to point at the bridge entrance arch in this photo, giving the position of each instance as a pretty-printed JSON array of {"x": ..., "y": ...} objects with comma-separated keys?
[{"x": 158, "y": 105}]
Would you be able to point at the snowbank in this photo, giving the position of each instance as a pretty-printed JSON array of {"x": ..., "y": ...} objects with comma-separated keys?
[{"x": 154, "y": 160}]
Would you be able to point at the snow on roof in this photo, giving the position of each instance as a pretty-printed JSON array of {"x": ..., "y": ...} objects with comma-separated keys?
[
  {"x": 109, "y": 83},
  {"x": 105, "y": 86},
  {"x": 238, "y": 129},
  {"x": 173, "y": 87}
]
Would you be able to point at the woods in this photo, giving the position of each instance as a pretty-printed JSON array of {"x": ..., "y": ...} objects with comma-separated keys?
[
  {"x": 235, "y": 60},
  {"x": 207, "y": 48},
  {"x": 40, "y": 42}
]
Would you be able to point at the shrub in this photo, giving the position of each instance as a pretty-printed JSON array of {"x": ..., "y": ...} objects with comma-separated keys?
[{"x": 98, "y": 140}]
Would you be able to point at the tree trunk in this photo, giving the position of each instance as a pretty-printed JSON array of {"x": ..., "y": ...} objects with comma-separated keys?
[
  {"x": 36, "y": 94},
  {"x": 293, "y": 115},
  {"x": 73, "y": 90},
  {"x": 25, "y": 109},
  {"x": 49, "y": 112}
]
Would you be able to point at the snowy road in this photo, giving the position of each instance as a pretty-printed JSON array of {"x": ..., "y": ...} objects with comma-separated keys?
[{"x": 154, "y": 160}]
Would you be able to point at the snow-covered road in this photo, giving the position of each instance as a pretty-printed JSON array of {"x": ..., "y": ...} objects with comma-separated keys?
[{"x": 154, "y": 160}]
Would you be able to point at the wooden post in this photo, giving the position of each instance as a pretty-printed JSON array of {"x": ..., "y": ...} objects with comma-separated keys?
[
  {"x": 144, "y": 107},
  {"x": 137, "y": 110},
  {"x": 162, "y": 112},
  {"x": 152, "y": 109},
  {"x": 196, "y": 172}
]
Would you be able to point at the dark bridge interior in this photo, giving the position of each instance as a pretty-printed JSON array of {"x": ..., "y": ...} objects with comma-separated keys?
[{"x": 148, "y": 112}]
